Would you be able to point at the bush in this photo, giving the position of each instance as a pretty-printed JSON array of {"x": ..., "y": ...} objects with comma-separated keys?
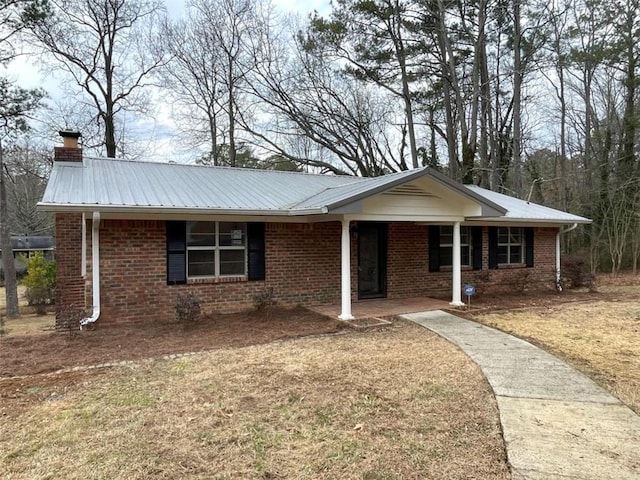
[
  {"x": 575, "y": 273},
  {"x": 68, "y": 320},
  {"x": 40, "y": 281},
  {"x": 187, "y": 309},
  {"x": 264, "y": 299}
]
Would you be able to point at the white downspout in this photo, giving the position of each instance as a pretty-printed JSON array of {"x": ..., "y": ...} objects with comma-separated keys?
[
  {"x": 83, "y": 254},
  {"x": 95, "y": 269},
  {"x": 558, "y": 271},
  {"x": 345, "y": 272}
]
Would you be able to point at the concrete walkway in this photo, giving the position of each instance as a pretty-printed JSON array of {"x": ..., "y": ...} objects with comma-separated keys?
[{"x": 557, "y": 423}]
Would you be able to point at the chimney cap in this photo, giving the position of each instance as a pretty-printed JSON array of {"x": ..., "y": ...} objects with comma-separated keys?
[{"x": 69, "y": 134}]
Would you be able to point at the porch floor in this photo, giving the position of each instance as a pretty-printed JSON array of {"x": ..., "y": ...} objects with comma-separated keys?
[{"x": 383, "y": 307}]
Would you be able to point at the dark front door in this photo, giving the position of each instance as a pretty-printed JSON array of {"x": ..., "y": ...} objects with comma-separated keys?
[{"x": 372, "y": 260}]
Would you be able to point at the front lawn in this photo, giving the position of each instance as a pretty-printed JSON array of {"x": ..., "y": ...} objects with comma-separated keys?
[{"x": 392, "y": 403}]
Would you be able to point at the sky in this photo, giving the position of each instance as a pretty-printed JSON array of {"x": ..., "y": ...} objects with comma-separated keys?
[{"x": 28, "y": 74}]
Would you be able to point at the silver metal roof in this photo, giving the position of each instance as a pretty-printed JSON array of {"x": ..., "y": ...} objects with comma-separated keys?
[
  {"x": 121, "y": 183},
  {"x": 114, "y": 185},
  {"x": 517, "y": 209}
]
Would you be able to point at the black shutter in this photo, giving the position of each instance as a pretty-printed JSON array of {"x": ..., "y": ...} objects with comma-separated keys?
[
  {"x": 493, "y": 247},
  {"x": 528, "y": 245},
  {"x": 434, "y": 248},
  {"x": 176, "y": 252},
  {"x": 476, "y": 246},
  {"x": 255, "y": 237}
]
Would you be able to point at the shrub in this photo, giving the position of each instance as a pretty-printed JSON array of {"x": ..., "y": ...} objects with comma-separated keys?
[
  {"x": 483, "y": 281},
  {"x": 575, "y": 273},
  {"x": 521, "y": 280},
  {"x": 188, "y": 309},
  {"x": 40, "y": 281},
  {"x": 264, "y": 299},
  {"x": 68, "y": 320}
]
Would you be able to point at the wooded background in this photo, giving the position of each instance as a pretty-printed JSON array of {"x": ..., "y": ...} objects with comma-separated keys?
[{"x": 534, "y": 99}]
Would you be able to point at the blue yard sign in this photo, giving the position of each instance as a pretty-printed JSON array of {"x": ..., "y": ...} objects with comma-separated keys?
[{"x": 469, "y": 290}]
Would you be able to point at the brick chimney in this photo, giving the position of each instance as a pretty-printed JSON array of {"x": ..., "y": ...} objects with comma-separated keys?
[{"x": 70, "y": 151}]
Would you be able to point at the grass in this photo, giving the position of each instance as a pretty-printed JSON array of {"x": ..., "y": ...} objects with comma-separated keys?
[
  {"x": 601, "y": 338},
  {"x": 388, "y": 404},
  {"x": 28, "y": 323}
]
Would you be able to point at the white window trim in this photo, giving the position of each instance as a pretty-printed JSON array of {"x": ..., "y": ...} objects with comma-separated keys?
[
  {"x": 462, "y": 245},
  {"x": 509, "y": 244},
  {"x": 216, "y": 254}
]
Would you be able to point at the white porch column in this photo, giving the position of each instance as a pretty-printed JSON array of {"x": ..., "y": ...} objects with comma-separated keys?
[
  {"x": 346, "y": 272},
  {"x": 456, "y": 292},
  {"x": 558, "y": 273}
]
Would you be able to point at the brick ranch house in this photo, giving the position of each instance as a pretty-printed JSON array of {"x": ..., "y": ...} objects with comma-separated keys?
[{"x": 133, "y": 235}]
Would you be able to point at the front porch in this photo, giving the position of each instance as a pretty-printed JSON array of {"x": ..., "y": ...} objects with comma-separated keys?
[{"x": 383, "y": 307}]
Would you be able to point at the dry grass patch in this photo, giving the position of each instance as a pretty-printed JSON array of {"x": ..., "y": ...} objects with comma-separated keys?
[
  {"x": 601, "y": 338},
  {"x": 390, "y": 404},
  {"x": 29, "y": 324}
]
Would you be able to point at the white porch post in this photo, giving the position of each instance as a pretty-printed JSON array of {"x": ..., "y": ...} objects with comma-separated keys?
[
  {"x": 558, "y": 273},
  {"x": 346, "y": 272},
  {"x": 456, "y": 293}
]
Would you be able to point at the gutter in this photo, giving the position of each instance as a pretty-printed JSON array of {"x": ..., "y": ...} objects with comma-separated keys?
[
  {"x": 558, "y": 272},
  {"x": 95, "y": 271},
  {"x": 154, "y": 209}
]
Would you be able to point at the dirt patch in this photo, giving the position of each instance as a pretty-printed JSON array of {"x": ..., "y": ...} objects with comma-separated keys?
[
  {"x": 25, "y": 355},
  {"x": 388, "y": 403}
]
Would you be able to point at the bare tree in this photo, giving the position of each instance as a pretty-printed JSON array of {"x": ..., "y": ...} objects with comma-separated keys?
[
  {"x": 107, "y": 48},
  {"x": 375, "y": 41},
  {"x": 15, "y": 105},
  {"x": 347, "y": 122},
  {"x": 27, "y": 169},
  {"x": 210, "y": 50}
]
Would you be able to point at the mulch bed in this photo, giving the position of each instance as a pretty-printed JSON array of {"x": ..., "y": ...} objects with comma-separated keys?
[{"x": 26, "y": 355}]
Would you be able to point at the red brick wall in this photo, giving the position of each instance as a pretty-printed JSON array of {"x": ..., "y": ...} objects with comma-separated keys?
[
  {"x": 299, "y": 262},
  {"x": 67, "y": 154},
  {"x": 70, "y": 284},
  {"x": 302, "y": 265}
]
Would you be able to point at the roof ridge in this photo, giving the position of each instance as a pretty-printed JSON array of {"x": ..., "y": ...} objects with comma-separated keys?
[{"x": 334, "y": 187}]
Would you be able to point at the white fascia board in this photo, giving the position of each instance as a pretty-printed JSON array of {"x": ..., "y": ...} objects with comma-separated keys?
[
  {"x": 141, "y": 209},
  {"x": 525, "y": 221}
]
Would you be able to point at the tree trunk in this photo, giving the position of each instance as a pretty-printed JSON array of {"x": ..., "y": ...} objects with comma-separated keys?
[
  {"x": 8, "y": 265},
  {"x": 110, "y": 132},
  {"x": 517, "y": 90}
]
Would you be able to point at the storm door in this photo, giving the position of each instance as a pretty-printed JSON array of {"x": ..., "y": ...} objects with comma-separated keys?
[{"x": 372, "y": 260}]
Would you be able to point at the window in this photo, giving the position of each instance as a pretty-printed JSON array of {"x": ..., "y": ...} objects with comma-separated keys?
[
  {"x": 441, "y": 247},
  {"x": 216, "y": 249},
  {"x": 510, "y": 245},
  {"x": 446, "y": 246}
]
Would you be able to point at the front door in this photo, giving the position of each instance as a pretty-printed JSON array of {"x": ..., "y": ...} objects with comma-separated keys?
[{"x": 372, "y": 260}]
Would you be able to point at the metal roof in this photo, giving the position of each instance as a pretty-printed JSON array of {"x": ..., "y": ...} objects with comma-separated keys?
[
  {"x": 122, "y": 183},
  {"x": 114, "y": 185},
  {"x": 517, "y": 209}
]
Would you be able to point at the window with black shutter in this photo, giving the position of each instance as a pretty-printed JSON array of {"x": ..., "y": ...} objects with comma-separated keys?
[{"x": 202, "y": 250}]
